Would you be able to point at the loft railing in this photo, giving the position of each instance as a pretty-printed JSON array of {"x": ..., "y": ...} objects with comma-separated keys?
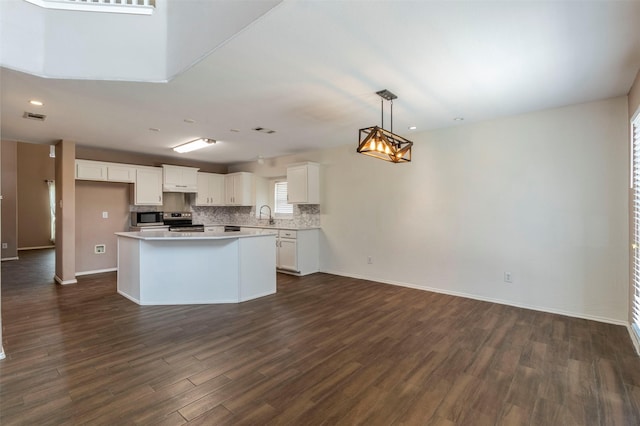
[{"x": 139, "y": 7}]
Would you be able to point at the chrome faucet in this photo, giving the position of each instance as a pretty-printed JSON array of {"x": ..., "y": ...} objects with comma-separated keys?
[{"x": 271, "y": 221}]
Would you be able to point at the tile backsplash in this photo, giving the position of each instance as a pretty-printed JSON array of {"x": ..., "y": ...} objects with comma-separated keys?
[{"x": 304, "y": 215}]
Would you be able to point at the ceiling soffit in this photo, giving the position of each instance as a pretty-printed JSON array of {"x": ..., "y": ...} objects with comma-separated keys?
[{"x": 118, "y": 46}]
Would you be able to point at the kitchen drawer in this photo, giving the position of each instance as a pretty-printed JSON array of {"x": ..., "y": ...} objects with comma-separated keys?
[
  {"x": 215, "y": 228},
  {"x": 284, "y": 233}
]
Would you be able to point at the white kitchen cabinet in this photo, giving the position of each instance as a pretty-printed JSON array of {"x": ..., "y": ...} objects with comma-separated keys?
[
  {"x": 210, "y": 189},
  {"x": 103, "y": 171},
  {"x": 179, "y": 178},
  {"x": 121, "y": 173},
  {"x": 303, "y": 183},
  {"x": 286, "y": 254},
  {"x": 148, "y": 186},
  {"x": 298, "y": 251},
  {"x": 91, "y": 170},
  {"x": 239, "y": 189}
]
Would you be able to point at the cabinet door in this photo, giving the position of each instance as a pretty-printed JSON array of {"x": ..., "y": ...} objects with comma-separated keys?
[
  {"x": 287, "y": 254},
  {"x": 229, "y": 190},
  {"x": 243, "y": 189},
  {"x": 179, "y": 178},
  {"x": 303, "y": 183},
  {"x": 297, "y": 184},
  {"x": 120, "y": 173},
  {"x": 148, "y": 187},
  {"x": 216, "y": 189},
  {"x": 202, "y": 196},
  {"x": 172, "y": 177},
  {"x": 91, "y": 170}
]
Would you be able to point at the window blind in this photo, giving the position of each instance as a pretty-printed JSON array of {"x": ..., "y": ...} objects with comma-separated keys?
[
  {"x": 282, "y": 206},
  {"x": 635, "y": 303}
]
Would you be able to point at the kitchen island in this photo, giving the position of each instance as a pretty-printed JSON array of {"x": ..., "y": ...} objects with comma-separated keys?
[{"x": 174, "y": 268}]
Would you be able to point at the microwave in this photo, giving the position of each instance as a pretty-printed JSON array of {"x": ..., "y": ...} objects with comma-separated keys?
[{"x": 146, "y": 218}]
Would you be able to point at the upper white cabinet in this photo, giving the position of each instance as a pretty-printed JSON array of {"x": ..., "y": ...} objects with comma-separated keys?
[
  {"x": 179, "y": 179},
  {"x": 239, "y": 189},
  {"x": 210, "y": 189},
  {"x": 148, "y": 186},
  {"x": 91, "y": 170},
  {"x": 121, "y": 173},
  {"x": 303, "y": 183},
  {"x": 102, "y": 171}
]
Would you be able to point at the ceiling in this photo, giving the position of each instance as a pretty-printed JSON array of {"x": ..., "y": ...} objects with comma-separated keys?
[{"x": 309, "y": 70}]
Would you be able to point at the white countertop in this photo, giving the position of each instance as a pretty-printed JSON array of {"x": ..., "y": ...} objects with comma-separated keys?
[
  {"x": 166, "y": 235},
  {"x": 275, "y": 227}
]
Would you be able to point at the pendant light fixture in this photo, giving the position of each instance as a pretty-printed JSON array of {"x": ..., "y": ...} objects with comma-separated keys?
[{"x": 384, "y": 144}]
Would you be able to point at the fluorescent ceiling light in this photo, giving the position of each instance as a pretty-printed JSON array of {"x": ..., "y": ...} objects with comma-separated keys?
[
  {"x": 36, "y": 102},
  {"x": 193, "y": 145}
]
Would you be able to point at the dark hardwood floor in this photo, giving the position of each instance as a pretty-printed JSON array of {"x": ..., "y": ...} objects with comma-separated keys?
[{"x": 324, "y": 350}]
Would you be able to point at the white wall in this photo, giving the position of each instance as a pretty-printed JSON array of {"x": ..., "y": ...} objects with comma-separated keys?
[
  {"x": 51, "y": 46},
  {"x": 541, "y": 195}
]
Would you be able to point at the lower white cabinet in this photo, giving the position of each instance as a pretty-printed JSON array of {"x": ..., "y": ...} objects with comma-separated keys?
[
  {"x": 287, "y": 255},
  {"x": 297, "y": 252}
]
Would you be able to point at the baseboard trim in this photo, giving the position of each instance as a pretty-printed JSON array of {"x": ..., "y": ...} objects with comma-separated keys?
[
  {"x": 97, "y": 271},
  {"x": 36, "y": 248},
  {"x": 9, "y": 258},
  {"x": 64, "y": 282},
  {"x": 486, "y": 299},
  {"x": 125, "y": 295}
]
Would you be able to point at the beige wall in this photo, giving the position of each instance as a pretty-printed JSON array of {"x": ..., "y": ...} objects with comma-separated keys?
[
  {"x": 9, "y": 201},
  {"x": 634, "y": 97},
  {"x": 35, "y": 167},
  {"x": 99, "y": 154},
  {"x": 92, "y": 199}
]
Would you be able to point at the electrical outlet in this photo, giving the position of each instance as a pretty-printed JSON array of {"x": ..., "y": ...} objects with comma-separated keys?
[
  {"x": 105, "y": 215},
  {"x": 100, "y": 249},
  {"x": 508, "y": 278},
  {"x": 370, "y": 260},
  {"x": 4, "y": 245}
]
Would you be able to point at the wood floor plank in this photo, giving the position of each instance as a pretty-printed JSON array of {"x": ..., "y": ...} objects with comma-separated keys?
[{"x": 323, "y": 350}]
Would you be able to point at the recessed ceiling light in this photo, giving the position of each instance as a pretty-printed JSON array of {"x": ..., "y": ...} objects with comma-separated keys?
[
  {"x": 154, "y": 129},
  {"x": 412, "y": 127},
  {"x": 189, "y": 120},
  {"x": 36, "y": 102},
  {"x": 458, "y": 119}
]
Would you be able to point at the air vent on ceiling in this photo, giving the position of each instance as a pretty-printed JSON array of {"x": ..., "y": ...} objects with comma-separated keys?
[
  {"x": 264, "y": 130},
  {"x": 34, "y": 116}
]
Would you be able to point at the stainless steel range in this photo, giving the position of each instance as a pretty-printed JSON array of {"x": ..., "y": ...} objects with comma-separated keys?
[{"x": 181, "y": 222}]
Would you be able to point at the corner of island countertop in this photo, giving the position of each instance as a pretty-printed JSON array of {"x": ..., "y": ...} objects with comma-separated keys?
[{"x": 287, "y": 228}]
